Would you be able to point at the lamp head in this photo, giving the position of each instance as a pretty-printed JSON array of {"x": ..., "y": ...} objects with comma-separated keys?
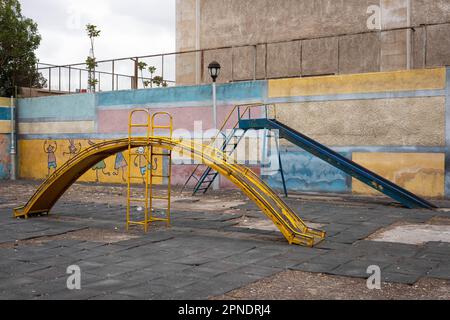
[{"x": 214, "y": 70}]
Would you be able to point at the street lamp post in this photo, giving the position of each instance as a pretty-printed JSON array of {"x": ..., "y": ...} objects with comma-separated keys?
[
  {"x": 13, "y": 150},
  {"x": 214, "y": 72}
]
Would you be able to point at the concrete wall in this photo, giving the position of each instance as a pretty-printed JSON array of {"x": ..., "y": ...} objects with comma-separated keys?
[
  {"x": 336, "y": 24},
  {"x": 5, "y": 138},
  {"x": 73, "y": 121},
  {"x": 395, "y": 123}
]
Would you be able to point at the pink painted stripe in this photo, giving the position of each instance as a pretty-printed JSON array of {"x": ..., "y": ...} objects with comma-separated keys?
[{"x": 116, "y": 121}]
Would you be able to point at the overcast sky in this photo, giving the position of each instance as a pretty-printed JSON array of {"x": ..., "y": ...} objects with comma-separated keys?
[{"x": 129, "y": 28}]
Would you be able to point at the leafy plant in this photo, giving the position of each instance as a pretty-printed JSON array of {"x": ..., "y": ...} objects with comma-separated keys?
[
  {"x": 154, "y": 80},
  {"x": 91, "y": 63},
  {"x": 92, "y": 82},
  {"x": 93, "y": 33},
  {"x": 152, "y": 71},
  {"x": 142, "y": 66},
  {"x": 159, "y": 81}
]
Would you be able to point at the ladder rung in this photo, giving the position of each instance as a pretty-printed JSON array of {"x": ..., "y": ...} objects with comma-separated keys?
[
  {"x": 160, "y": 219},
  {"x": 136, "y": 177},
  {"x": 159, "y": 176},
  {"x": 162, "y": 127},
  {"x": 137, "y": 200},
  {"x": 139, "y": 125},
  {"x": 140, "y": 223},
  {"x": 161, "y": 198}
]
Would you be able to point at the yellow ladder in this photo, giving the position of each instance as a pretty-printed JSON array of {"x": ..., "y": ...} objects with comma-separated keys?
[
  {"x": 167, "y": 154},
  {"x": 145, "y": 201}
]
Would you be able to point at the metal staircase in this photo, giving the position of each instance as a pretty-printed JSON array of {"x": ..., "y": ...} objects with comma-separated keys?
[
  {"x": 204, "y": 175},
  {"x": 209, "y": 175}
]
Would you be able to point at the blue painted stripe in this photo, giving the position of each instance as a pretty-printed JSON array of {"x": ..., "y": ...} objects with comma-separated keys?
[
  {"x": 5, "y": 113},
  {"x": 61, "y": 108},
  {"x": 360, "y": 96},
  {"x": 189, "y": 104},
  {"x": 238, "y": 91},
  {"x": 304, "y": 172}
]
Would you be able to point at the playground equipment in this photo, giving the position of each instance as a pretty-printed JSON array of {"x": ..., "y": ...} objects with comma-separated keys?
[
  {"x": 373, "y": 180},
  {"x": 228, "y": 145},
  {"x": 149, "y": 154},
  {"x": 290, "y": 225}
]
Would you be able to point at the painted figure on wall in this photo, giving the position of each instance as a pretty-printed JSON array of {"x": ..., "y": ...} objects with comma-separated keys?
[
  {"x": 50, "y": 149},
  {"x": 4, "y": 157},
  {"x": 101, "y": 166},
  {"x": 120, "y": 164},
  {"x": 143, "y": 163},
  {"x": 73, "y": 149}
]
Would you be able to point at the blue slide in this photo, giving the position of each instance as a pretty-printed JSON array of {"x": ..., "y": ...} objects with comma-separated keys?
[{"x": 364, "y": 175}]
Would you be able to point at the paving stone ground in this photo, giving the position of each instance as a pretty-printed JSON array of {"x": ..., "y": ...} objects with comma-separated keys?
[{"x": 206, "y": 253}]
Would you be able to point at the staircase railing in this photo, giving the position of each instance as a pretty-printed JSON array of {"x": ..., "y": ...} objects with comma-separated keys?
[{"x": 246, "y": 109}]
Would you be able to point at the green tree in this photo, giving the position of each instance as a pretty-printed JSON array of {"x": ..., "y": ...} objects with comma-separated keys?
[
  {"x": 19, "y": 39},
  {"x": 152, "y": 71},
  {"x": 142, "y": 66},
  {"x": 159, "y": 81},
  {"x": 91, "y": 62},
  {"x": 93, "y": 33}
]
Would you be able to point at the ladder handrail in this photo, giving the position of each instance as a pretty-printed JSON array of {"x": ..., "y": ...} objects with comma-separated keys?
[
  {"x": 169, "y": 126},
  {"x": 149, "y": 126}
]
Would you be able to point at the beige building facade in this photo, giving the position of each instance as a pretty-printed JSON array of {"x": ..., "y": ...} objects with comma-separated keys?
[{"x": 266, "y": 39}]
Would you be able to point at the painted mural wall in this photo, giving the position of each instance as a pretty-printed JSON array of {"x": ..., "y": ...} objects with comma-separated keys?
[
  {"x": 52, "y": 130},
  {"x": 38, "y": 159},
  {"x": 392, "y": 122},
  {"x": 5, "y": 138}
]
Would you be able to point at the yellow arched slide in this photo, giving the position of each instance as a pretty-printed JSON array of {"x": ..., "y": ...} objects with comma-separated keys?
[{"x": 291, "y": 226}]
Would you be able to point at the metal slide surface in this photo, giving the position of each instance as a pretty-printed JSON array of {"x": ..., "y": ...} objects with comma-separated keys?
[
  {"x": 291, "y": 226},
  {"x": 355, "y": 170}
]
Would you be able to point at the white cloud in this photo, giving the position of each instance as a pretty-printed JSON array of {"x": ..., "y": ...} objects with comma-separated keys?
[{"x": 129, "y": 28}]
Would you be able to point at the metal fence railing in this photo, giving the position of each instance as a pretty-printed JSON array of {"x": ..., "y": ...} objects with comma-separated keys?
[{"x": 239, "y": 63}]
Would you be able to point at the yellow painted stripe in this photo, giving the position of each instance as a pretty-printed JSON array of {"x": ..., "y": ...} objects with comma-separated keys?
[
  {"x": 5, "y": 102},
  {"x": 420, "y": 173},
  {"x": 5, "y": 126},
  {"x": 57, "y": 127},
  {"x": 423, "y": 79}
]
